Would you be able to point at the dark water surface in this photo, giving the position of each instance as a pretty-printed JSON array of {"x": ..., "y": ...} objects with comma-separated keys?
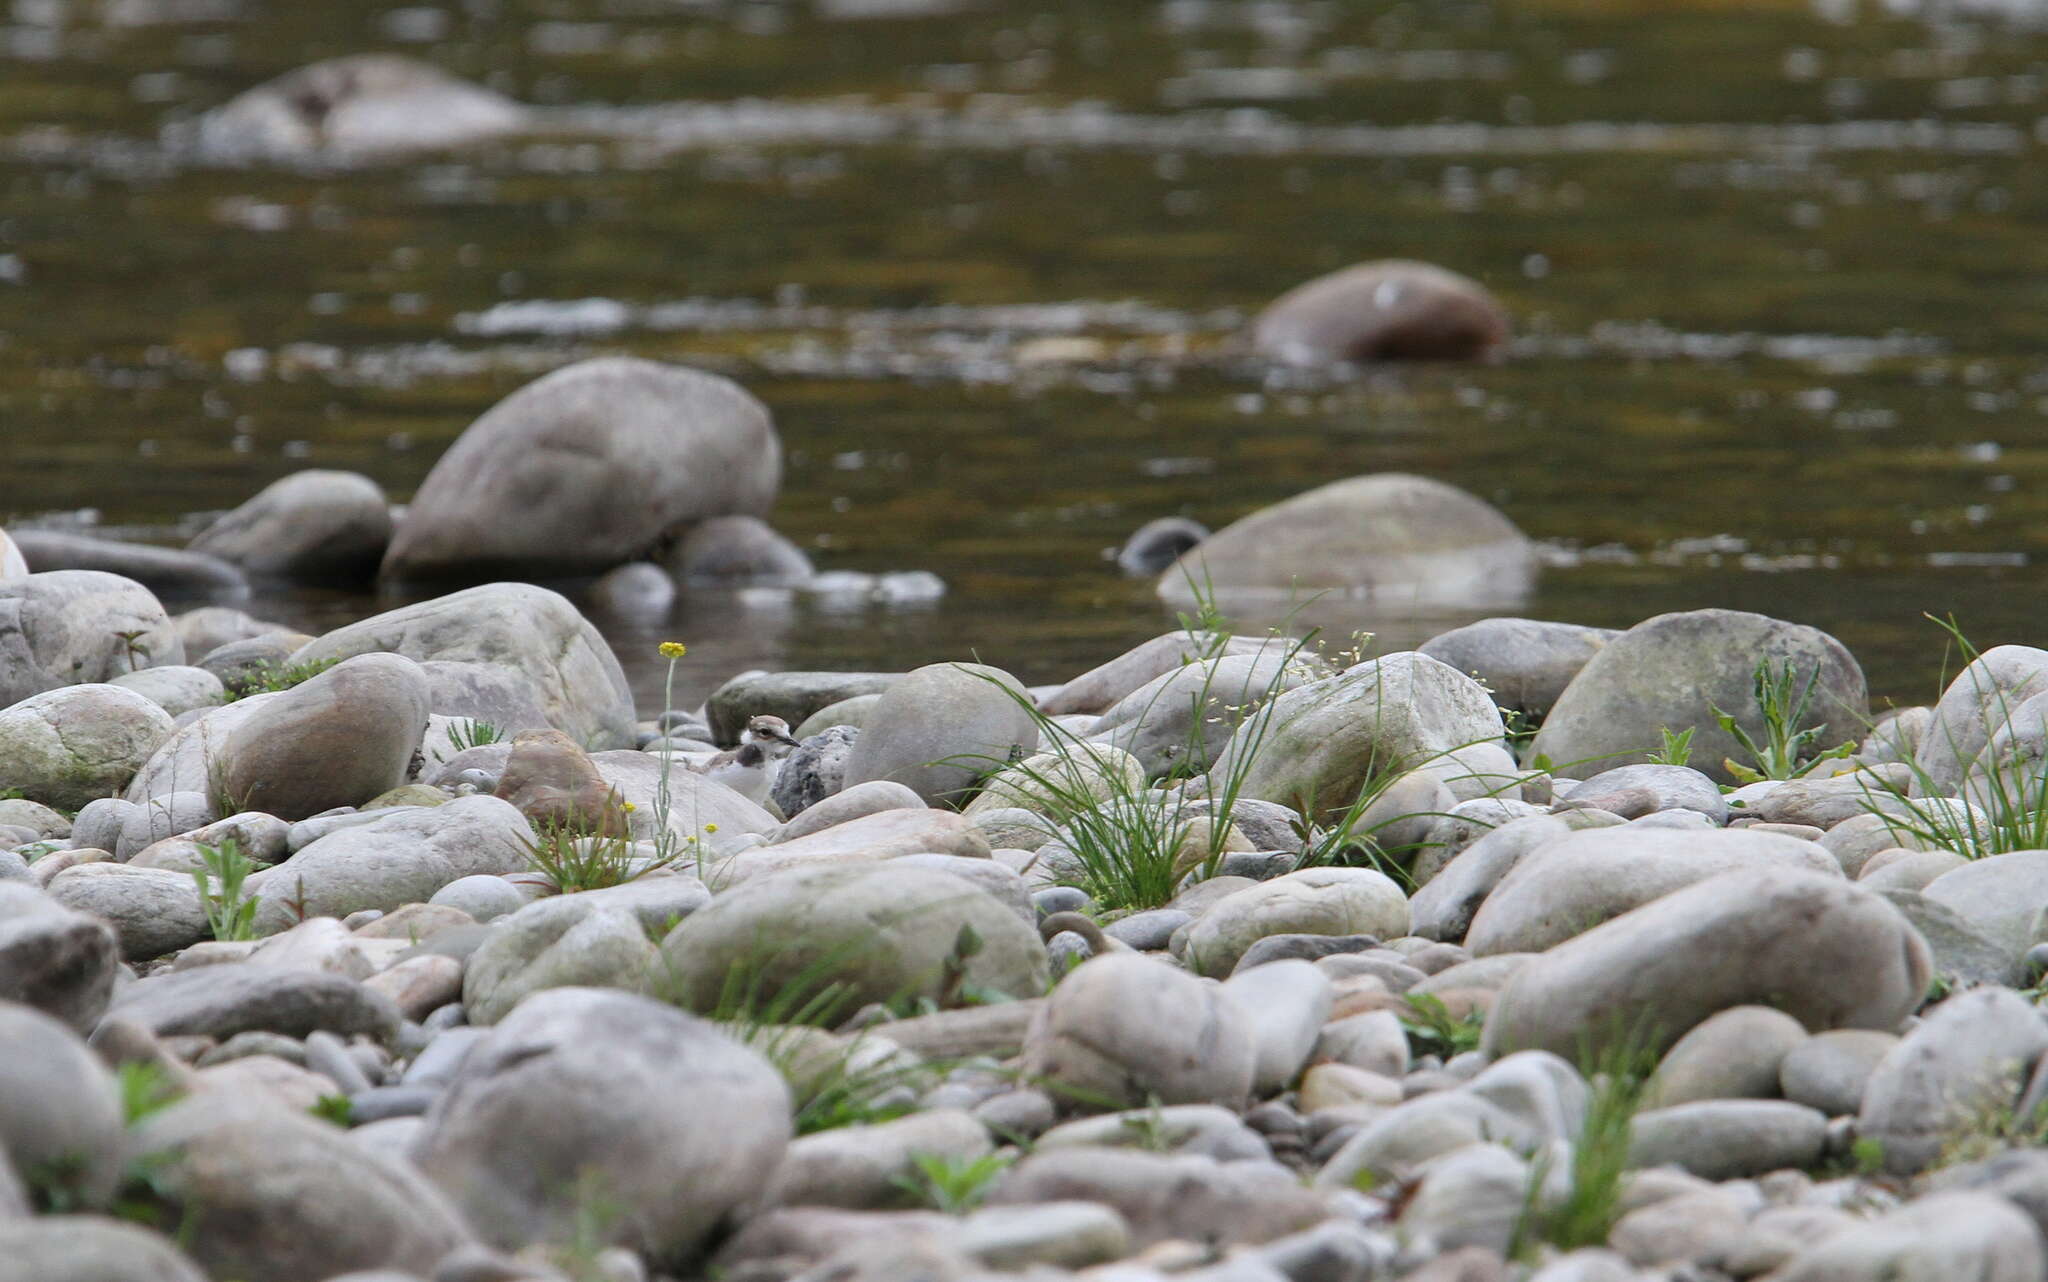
[{"x": 1780, "y": 275}]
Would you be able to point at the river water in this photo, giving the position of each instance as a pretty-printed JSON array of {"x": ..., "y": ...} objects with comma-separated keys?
[{"x": 1778, "y": 273}]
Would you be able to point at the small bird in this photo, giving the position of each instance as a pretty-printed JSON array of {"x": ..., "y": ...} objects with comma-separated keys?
[{"x": 750, "y": 769}]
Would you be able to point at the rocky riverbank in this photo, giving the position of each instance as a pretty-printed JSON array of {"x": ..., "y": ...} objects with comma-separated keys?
[{"x": 415, "y": 950}]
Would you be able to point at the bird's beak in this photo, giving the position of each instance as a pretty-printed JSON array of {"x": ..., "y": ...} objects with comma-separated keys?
[{"x": 788, "y": 738}]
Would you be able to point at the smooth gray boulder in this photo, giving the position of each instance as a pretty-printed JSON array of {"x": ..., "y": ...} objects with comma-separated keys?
[
  {"x": 1474, "y": 1196},
  {"x": 65, "y": 627},
  {"x": 401, "y": 858},
  {"x": 737, "y": 551},
  {"x": 1980, "y": 703},
  {"x": 1725, "y": 1139},
  {"x": 1570, "y": 885},
  {"x": 1672, "y": 671},
  {"x": 263, "y": 1192},
  {"x": 317, "y": 525},
  {"x": 190, "y": 760},
  {"x": 1960, "y": 1068},
  {"x": 160, "y": 569},
  {"x": 60, "y": 1111},
  {"x": 942, "y": 727},
  {"x": 72, "y": 746},
  {"x": 1829, "y": 1071},
  {"x": 1186, "y": 717},
  {"x": 90, "y": 1248},
  {"x": 2000, "y": 896},
  {"x": 1781, "y": 937},
  {"x": 793, "y": 696},
  {"x": 1384, "y": 310},
  {"x": 1932, "y": 1239},
  {"x": 1524, "y": 663},
  {"x": 1635, "y": 791},
  {"x": 877, "y": 932},
  {"x": 153, "y": 910},
  {"x": 857, "y": 802},
  {"x": 1735, "y": 1054},
  {"x": 1393, "y": 1143},
  {"x": 1121, "y": 1029},
  {"x": 595, "y": 939},
  {"x": 53, "y": 958},
  {"x": 171, "y": 571},
  {"x": 1963, "y": 955},
  {"x": 1286, "y": 1004},
  {"x": 528, "y": 633},
  {"x": 341, "y": 738},
  {"x": 1319, "y": 744},
  {"x": 1314, "y": 901},
  {"x": 674, "y": 1122},
  {"x": 233, "y": 997},
  {"x": 357, "y": 107},
  {"x": 1096, "y": 690},
  {"x": 874, "y": 1166},
  {"x": 175, "y": 689},
  {"x": 1387, "y": 537},
  {"x": 586, "y": 468},
  {"x": 1164, "y": 1196},
  {"x": 1442, "y": 908}
]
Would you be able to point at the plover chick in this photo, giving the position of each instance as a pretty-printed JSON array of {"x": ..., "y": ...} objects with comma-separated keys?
[{"x": 750, "y": 769}]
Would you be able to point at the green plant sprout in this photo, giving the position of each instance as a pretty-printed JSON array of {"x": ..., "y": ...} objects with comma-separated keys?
[
  {"x": 1786, "y": 751},
  {"x": 223, "y": 869},
  {"x": 954, "y": 1185},
  {"x": 1676, "y": 749}
]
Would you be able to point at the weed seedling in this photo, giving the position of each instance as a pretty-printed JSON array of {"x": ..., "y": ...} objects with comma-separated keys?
[
  {"x": 224, "y": 868},
  {"x": 955, "y": 1185}
]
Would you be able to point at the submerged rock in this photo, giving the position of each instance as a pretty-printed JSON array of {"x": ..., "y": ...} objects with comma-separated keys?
[
  {"x": 587, "y": 468},
  {"x": 311, "y": 525},
  {"x": 738, "y": 551},
  {"x": 1383, "y": 537},
  {"x": 1157, "y": 544},
  {"x": 364, "y": 105},
  {"x": 167, "y": 570},
  {"x": 1382, "y": 311}
]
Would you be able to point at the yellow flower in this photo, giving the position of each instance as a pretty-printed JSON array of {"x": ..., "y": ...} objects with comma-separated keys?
[
  {"x": 628, "y": 805},
  {"x": 710, "y": 827},
  {"x": 673, "y": 649}
]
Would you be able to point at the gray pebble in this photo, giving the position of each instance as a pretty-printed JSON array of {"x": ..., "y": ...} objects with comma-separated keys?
[
  {"x": 1306, "y": 947},
  {"x": 1150, "y": 931},
  {"x": 380, "y": 1102}
]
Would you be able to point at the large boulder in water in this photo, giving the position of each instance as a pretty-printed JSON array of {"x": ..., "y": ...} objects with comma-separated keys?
[
  {"x": 586, "y": 469},
  {"x": 1388, "y": 536},
  {"x": 1382, "y": 311},
  {"x": 362, "y": 105},
  {"x": 1672, "y": 672},
  {"x": 315, "y": 524},
  {"x": 166, "y": 570},
  {"x": 530, "y": 635}
]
